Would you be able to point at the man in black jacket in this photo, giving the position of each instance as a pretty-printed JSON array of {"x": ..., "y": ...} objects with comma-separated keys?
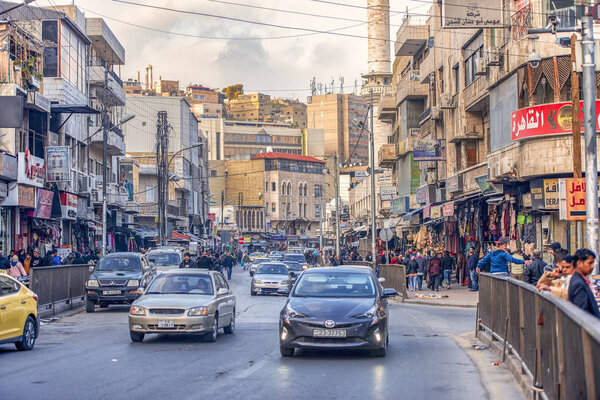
[
  {"x": 580, "y": 293},
  {"x": 188, "y": 262},
  {"x": 447, "y": 265},
  {"x": 228, "y": 264},
  {"x": 535, "y": 270},
  {"x": 205, "y": 261},
  {"x": 472, "y": 261}
]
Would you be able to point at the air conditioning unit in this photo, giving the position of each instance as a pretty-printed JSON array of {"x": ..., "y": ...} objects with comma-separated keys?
[
  {"x": 493, "y": 56},
  {"x": 84, "y": 184},
  {"x": 481, "y": 67},
  {"x": 446, "y": 102},
  {"x": 414, "y": 75},
  {"x": 436, "y": 113}
]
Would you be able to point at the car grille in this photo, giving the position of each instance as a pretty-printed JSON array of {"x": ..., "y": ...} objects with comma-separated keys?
[
  {"x": 331, "y": 340},
  {"x": 169, "y": 311},
  {"x": 174, "y": 328},
  {"x": 112, "y": 282},
  {"x": 337, "y": 325}
]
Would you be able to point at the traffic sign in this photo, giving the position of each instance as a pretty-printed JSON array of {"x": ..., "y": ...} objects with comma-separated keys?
[
  {"x": 386, "y": 234},
  {"x": 241, "y": 240}
]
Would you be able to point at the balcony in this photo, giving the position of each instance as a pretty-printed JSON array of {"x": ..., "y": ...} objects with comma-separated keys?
[
  {"x": 387, "y": 108},
  {"x": 132, "y": 207},
  {"x": 115, "y": 145},
  {"x": 104, "y": 40},
  {"x": 410, "y": 88},
  {"x": 410, "y": 38},
  {"x": 387, "y": 155},
  {"x": 116, "y": 196},
  {"x": 115, "y": 94}
]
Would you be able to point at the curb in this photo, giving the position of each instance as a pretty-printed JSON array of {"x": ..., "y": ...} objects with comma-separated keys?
[{"x": 428, "y": 303}]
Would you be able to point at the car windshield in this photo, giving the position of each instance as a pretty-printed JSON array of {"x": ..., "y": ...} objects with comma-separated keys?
[
  {"x": 181, "y": 284},
  {"x": 294, "y": 257},
  {"x": 293, "y": 266},
  {"x": 273, "y": 269},
  {"x": 335, "y": 284},
  {"x": 164, "y": 259},
  {"x": 119, "y": 264}
]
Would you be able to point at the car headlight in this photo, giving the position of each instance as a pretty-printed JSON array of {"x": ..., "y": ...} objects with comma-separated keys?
[
  {"x": 133, "y": 282},
  {"x": 136, "y": 310},
  {"x": 368, "y": 314},
  {"x": 284, "y": 282},
  {"x": 258, "y": 282},
  {"x": 198, "y": 311},
  {"x": 92, "y": 283},
  {"x": 304, "y": 267},
  {"x": 293, "y": 313}
]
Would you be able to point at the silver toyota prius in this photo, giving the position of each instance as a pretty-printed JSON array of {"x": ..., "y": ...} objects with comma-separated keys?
[{"x": 190, "y": 301}]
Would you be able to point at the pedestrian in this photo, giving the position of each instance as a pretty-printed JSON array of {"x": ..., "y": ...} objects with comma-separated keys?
[
  {"x": 517, "y": 271},
  {"x": 554, "y": 248},
  {"x": 36, "y": 260},
  {"x": 434, "y": 269},
  {"x": 472, "y": 261},
  {"x": 16, "y": 269},
  {"x": 557, "y": 281},
  {"x": 204, "y": 261},
  {"x": 534, "y": 271},
  {"x": 421, "y": 265},
  {"x": 580, "y": 293},
  {"x": 411, "y": 272},
  {"x": 447, "y": 266},
  {"x": 188, "y": 262},
  {"x": 79, "y": 260},
  {"x": 27, "y": 263},
  {"x": 498, "y": 259},
  {"x": 69, "y": 259},
  {"x": 228, "y": 264},
  {"x": 55, "y": 258}
]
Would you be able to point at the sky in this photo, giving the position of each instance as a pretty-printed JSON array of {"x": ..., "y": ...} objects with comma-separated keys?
[{"x": 281, "y": 67}]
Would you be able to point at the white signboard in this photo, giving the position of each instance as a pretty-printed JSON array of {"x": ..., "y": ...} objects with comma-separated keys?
[
  {"x": 360, "y": 175},
  {"x": 57, "y": 164},
  {"x": 388, "y": 192},
  {"x": 472, "y": 14},
  {"x": 31, "y": 169}
]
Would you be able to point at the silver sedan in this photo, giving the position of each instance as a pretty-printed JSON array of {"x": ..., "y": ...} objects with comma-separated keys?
[
  {"x": 184, "y": 301},
  {"x": 269, "y": 278}
]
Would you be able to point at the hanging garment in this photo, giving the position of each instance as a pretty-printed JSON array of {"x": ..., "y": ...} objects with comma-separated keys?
[{"x": 529, "y": 233}]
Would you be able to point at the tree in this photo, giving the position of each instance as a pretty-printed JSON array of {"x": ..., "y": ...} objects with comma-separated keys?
[{"x": 233, "y": 91}]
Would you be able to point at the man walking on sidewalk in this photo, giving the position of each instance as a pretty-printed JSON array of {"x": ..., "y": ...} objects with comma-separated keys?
[
  {"x": 472, "y": 260},
  {"x": 447, "y": 265},
  {"x": 434, "y": 268}
]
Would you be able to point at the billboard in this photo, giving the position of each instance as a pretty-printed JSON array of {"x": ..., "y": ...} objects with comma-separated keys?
[
  {"x": 427, "y": 150},
  {"x": 472, "y": 14},
  {"x": 58, "y": 168}
]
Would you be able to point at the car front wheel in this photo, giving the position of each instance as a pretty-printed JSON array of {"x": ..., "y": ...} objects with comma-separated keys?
[
  {"x": 28, "y": 338},
  {"x": 136, "y": 336},
  {"x": 89, "y": 305},
  {"x": 212, "y": 335}
]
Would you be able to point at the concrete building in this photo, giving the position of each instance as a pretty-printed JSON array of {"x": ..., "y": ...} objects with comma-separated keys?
[
  {"x": 334, "y": 115},
  {"x": 256, "y": 107}
]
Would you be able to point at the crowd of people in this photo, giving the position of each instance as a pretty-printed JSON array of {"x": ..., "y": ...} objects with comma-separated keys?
[{"x": 18, "y": 263}]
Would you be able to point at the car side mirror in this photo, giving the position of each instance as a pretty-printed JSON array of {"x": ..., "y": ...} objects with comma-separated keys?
[
  {"x": 140, "y": 291},
  {"x": 222, "y": 291},
  {"x": 389, "y": 293},
  {"x": 381, "y": 280},
  {"x": 283, "y": 290}
]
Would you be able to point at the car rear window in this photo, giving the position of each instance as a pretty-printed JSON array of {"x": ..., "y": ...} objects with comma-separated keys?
[{"x": 335, "y": 284}]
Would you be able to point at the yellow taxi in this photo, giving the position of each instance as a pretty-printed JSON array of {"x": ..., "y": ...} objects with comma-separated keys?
[{"x": 19, "y": 323}]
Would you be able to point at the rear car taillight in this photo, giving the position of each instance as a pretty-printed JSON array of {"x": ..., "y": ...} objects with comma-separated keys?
[{"x": 35, "y": 297}]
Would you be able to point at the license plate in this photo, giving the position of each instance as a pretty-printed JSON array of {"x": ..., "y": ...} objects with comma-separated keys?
[
  {"x": 166, "y": 323},
  {"x": 329, "y": 333},
  {"x": 112, "y": 292}
]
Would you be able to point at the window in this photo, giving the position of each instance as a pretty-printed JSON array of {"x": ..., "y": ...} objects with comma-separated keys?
[
  {"x": 318, "y": 191},
  {"x": 7, "y": 286},
  {"x": 273, "y": 207},
  {"x": 213, "y": 173},
  {"x": 317, "y": 211},
  {"x": 266, "y": 186},
  {"x": 471, "y": 152},
  {"x": 196, "y": 96},
  {"x": 471, "y": 66},
  {"x": 300, "y": 189},
  {"x": 305, "y": 210},
  {"x": 283, "y": 188},
  {"x": 218, "y": 144},
  {"x": 274, "y": 186},
  {"x": 456, "y": 76},
  {"x": 50, "y": 34},
  {"x": 150, "y": 194}
]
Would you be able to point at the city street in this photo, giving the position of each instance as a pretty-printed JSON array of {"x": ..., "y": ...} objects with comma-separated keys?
[{"x": 90, "y": 355}]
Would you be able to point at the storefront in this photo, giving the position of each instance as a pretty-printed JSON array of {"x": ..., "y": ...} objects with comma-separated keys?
[{"x": 8, "y": 175}]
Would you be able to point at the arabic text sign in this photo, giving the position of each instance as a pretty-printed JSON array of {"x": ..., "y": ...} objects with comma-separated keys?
[
  {"x": 575, "y": 194},
  {"x": 472, "y": 13},
  {"x": 547, "y": 119},
  {"x": 427, "y": 150},
  {"x": 551, "y": 194},
  {"x": 44, "y": 204}
]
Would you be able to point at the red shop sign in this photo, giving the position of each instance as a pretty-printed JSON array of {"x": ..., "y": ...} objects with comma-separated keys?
[{"x": 544, "y": 120}]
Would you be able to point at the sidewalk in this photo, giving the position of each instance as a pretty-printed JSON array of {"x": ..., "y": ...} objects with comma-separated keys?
[{"x": 458, "y": 296}]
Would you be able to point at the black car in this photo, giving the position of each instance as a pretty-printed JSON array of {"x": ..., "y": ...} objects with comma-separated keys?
[
  {"x": 116, "y": 280},
  {"x": 341, "y": 308},
  {"x": 294, "y": 268}
]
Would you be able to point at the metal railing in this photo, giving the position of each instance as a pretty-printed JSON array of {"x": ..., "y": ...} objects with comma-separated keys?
[
  {"x": 557, "y": 343},
  {"x": 59, "y": 284}
]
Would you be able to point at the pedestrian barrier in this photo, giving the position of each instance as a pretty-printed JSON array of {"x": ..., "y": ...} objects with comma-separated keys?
[
  {"x": 59, "y": 284},
  {"x": 557, "y": 343}
]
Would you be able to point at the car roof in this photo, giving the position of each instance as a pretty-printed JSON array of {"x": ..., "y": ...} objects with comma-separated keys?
[
  {"x": 342, "y": 268},
  {"x": 157, "y": 251},
  {"x": 273, "y": 263},
  {"x": 188, "y": 271},
  {"x": 122, "y": 254}
]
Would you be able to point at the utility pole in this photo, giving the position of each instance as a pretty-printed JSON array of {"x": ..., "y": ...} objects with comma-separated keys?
[
  {"x": 373, "y": 194},
  {"x": 576, "y": 124},
  {"x": 337, "y": 204},
  {"x": 162, "y": 173},
  {"x": 165, "y": 154},
  {"x": 321, "y": 220},
  {"x": 104, "y": 159},
  {"x": 589, "y": 115},
  {"x": 159, "y": 186}
]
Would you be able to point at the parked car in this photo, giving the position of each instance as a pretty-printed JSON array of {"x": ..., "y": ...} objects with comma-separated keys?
[
  {"x": 294, "y": 269},
  {"x": 184, "y": 301},
  {"x": 19, "y": 322},
  {"x": 164, "y": 259},
  {"x": 297, "y": 258},
  {"x": 335, "y": 307},
  {"x": 255, "y": 263},
  {"x": 269, "y": 278},
  {"x": 116, "y": 279}
]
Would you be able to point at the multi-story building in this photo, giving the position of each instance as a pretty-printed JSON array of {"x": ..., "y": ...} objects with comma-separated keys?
[
  {"x": 461, "y": 96},
  {"x": 188, "y": 189},
  {"x": 256, "y": 107},
  {"x": 68, "y": 51},
  {"x": 276, "y": 193}
]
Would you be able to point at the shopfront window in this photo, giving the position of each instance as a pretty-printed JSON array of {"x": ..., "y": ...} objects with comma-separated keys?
[{"x": 6, "y": 237}]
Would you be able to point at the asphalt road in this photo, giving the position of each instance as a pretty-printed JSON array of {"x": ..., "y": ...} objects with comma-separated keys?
[{"x": 91, "y": 356}]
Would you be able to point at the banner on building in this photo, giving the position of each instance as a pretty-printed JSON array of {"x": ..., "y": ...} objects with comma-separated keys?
[
  {"x": 415, "y": 174},
  {"x": 26, "y": 196},
  {"x": 8, "y": 167},
  {"x": 58, "y": 166},
  {"x": 472, "y": 14},
  {"x": 31, "y": 169},
  {"x": 436, "y": 212},
  {"x": 536, "y": 188},
  {"x": 427, "y": 150},
  {"x": 545, "y": 120},
  {"x": 44, "y": 204},
  {"x": 448, "y": 209},
  {"x": 551, "y": 194},
  {"x": 387, "y": 192},
  {"x": 574, "y": 191},
  {"x": 68, "y": 205}
]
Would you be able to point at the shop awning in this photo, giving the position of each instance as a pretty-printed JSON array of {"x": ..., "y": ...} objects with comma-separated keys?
[
  {"x": 73, "y": 109},
  {"x": 408, "y": 216},
  {"x": 362, "y": 228},
  {"x": 180, "y": 236}
]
